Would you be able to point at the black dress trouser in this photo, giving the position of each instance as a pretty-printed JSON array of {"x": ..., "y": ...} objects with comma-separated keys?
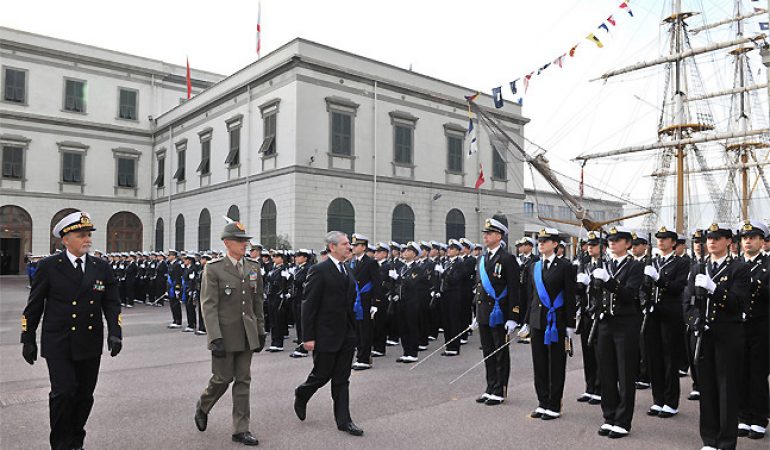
[
  {"x": 334, "y": 367},
  {"x": 71, "y": 399}
]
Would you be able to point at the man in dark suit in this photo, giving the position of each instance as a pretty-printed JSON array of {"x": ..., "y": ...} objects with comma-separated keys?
[
  {"x": 328, "y": 329},
  {"x": 497, "y": 310},
  {"x": 552, "y": 321},
  {"x": 367, "y": 274},
  {"x": 71, "y": 291}
]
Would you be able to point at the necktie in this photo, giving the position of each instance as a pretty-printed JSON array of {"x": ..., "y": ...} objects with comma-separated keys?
[
  {"x": 546, "y": 264},
  {"x": 79, "y": 267},
  {"x": 342, "y": 268},
  {"x": 239, "y": 266},
  {"x": 614, "y": 265},
  {"x": 714, "y": 268}
]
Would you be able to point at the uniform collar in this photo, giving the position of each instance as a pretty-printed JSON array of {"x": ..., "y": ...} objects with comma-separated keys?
[
  {"x": 233, "y": 260},
  {"x": 72, "y": 258}
]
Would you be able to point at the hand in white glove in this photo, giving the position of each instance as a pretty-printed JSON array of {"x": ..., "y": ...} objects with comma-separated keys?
[
  {"x": 651, "y": 272},
  {"x": 285, "y": 274},
  {"x": 524, "y": 331},
  {"x": 601, "y": 274},
  {"x": 262, "y": 271},
  {"x": 439, "y": 268},
  {"x": 705, "y": 282},
  {"x": 583, "y": 278},
  {"x": 510, "y": 326},
  {"x": 393, "y": 274},
  {"x": 292, "y": 270},
  {"x": 570, "y": 332},
  {"x": 474, "y": 324},
  {"x": 372, "y": 311}
]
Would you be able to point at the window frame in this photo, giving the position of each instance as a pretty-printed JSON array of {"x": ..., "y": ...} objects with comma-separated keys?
[
  {"x": 136, "y": 104},
  {"x": 21, "y": 149},
  {"x": 64, "y": 154},
  {"x": 269, "y": 111},
  {"x": 496, "y": 164},
  {"x": 25, "y": 101},
  {"x": 85, "y": 94}
]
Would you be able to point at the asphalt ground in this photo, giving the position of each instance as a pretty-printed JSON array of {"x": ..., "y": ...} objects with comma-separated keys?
[{"x": 146, "y": 396}]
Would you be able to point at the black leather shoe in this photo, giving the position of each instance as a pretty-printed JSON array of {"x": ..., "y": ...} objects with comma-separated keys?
[
  {"x": 351, "y": 428},
  {"x": 201, "y": 418},
  {"x": 300, "y": 407},
  {"x": 652, "y": 412},
  {"x": 594, "y": 401},
  {"x": 535, "y": 414},
  {"x": 756, "y": 435},
  {"x": 604, "y": 432},
  {"x": 481, "y": 399},
  {"x": 493, "y": 402},
  {"x": 665, "y": 415},
  {"x": 615, "y": 435},
  {"x": 694, "y": 396},
  {"x": 584, "y": 399},
  {"x": 245, "y": 438},
  {"x": 742, "y": 432}
]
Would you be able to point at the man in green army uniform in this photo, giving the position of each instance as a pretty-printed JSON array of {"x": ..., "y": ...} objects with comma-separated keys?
[{"x": 231, "y": 300}]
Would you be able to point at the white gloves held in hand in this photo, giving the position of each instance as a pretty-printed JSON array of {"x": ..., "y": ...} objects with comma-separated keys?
[
  {"x": 583, "y": 278},
  {"x": 285, "y": 274},
  {"x": 705, "y": 282},
  {"x": 601, "y": 274},
  {"x": 570, "y": 332},
  {"x": 393, "y": 274},
  {"x": 475, "y": 324},
  {"x": 510, "y": 326},
  {"x": 439, "y": 268},
  {"x": 372, "y": 311},
  {"x": 651, "y": 272}
]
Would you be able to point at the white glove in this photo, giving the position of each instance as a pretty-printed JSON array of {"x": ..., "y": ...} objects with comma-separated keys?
[
  {"x": 191, "y": 276},
  {"x": 524, "y": 332},
  {"x": 393, "y": 274},
  {"x": 705, "y": 282},
  {"x": 285, "y": 274},
  {"x": 651, "y": 272},
  {"x": 395, "y": 298},
  {"x": 475, "y": 324},
  {"x": 601, "y": 274},
  {"x": 439, "y": 268},
  {"x": 576, "y": 262},
  {"x": 583, "y": 278},
  {"x": 570, "y": 332},
  {"x": 372, "y": 311},
  {"x": 510, "y": 326},
  {"x": 262, "y": 271},
  {"x": 292, "y": 270}
]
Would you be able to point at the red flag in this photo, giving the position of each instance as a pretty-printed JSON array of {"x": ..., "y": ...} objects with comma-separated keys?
[
  {"x": 259, "y": 29},
  {"x": 189, "y": 81},
  {"x": 572, "y": 51},
  {"x": 480, "y": 180}
]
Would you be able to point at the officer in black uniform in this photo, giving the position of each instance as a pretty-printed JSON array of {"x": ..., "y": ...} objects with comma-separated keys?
[
  {"x": 552, "y": 323},
  {"x": 497, "y": 310},
  {"x": 174, "y": 288},
  {"x": 526, "y": 259},
  {"x": 412, "y": 285},
  {"x": 161, "y": 280},
  {"x": 382, "y": 301},
  {"x": 205, "y": 259},
  {"x": 587, "y": 309},
  {"x": 753, "y": 405},
  {"x": 452, "y": 281},
  {"x": 468, "y": 305},
  {"x": 395, "y": 263},
  {"x": 617, "y": 341},
  {"x": 131, "y": 276},
  {"x": 191, "y": 289},
  {"x": 367, "y": 274},
  {"x": 71, "y": 292},
  {"x": 278, "y": 282},
  {"x": 664, "y": 283},
  {"x": 720, "y": 289},
  {"x": 297, "y": 293}
]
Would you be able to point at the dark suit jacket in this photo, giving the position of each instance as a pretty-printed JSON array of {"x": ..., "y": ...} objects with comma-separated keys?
[
  {"x": 327, "y": 308},
  {"x": 560, "y": 277},
  {"x": 72, "y": 309},
  {"x": 507, "y": 278}
]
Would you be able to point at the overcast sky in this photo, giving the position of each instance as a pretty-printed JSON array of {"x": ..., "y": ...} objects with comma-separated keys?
[{"x": 480, "y": 44}]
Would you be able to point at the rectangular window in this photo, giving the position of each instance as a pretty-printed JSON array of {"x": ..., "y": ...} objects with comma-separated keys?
[
  {"x": 403, "y": 144},
  {"x": 127, "y": 108},
  {"x": 564, "y": 212},
  {"x": 234, "y": 155},
  {"x": 205, "y": 167},
  {"x": 160, "y": 180},
  {"x": 529, "y": 209},
  {"x": 455, "y": 154},
  {"x": 546, "y": 211},
  {"x": 342, "y": 134},
  {"x": 75, "y": 96},
  {"x": 13, "y": 162},
  {"x": 179, "y": 174},
  {"x": 15, "y": 89},
  {"x": 72, "y": 167},
  {"x": 268, "y": 147},
  {"x": 499, "y": 171},
  {"x": 127, "y": 172}
]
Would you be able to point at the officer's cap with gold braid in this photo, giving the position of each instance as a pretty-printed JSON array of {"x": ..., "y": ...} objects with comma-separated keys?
[
  {"x": 494, "y": 226},
  {"x": 455, "y": 243},
  {"x": 718, "y": 230},
  {"x": 619, "y": 232},
  {"x": 665, "y": 232},
  {"x": 592, "y": 238},
  {"x": 548, "y": 234},
  {"x": 359, "y": 239},
  {"x": 77, "y": 221},
  {"x": 754, "y": 228},
  {"x": 414, "y": 246},
  {"x": 638, "y": 238},
  {"x": 697, "y": 234}
]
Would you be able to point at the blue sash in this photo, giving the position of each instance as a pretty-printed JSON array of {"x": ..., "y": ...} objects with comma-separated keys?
[
  {"x": 184, "y": 290},
  {"x": 551, "y": 332},
  {"x": 496, "y": 316},
  {"x": 357, "y": 307},
  {"x": 170, "y": 286}
]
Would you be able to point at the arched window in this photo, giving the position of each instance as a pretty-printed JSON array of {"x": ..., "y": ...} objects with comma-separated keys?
[
  {"x": 340, "y": 216},
  {"x": 204, "y": 230},
  {"x": 402, "y": 225},
  {"x": 234, "y": 213},
  {"x": 267, "y": 223},
  {"x": 159, "y": 235},
  {"x": 455, "y": 224},
  {"x": 16, "y": 238},
  {"x": 55, "y": 241},
  {"x": 124, "y": 232},
  {"x": 179, "y": 233}
]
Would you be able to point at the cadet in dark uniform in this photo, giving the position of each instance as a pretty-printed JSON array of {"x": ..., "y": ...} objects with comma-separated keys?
[
  {"x": 453, "y": 277},
  {"x": 381, "y": 302},
  {"x": 231, "y": 298},
  {"x": 395, "y": 264},
  {"x": 297, "y": 293},
  {"x": 278, "y": 281},
  {"x": 664, "y": 333},
  {"x": 526, "y": 260},
  {"x": 205, "y": 259},
  {"x": 552, "y": 323},
  {"x": 190, "y": 291},
  {"x": 753, "y": 405},
  {"x": 721, "y": 287},
  {"x": 412, "y": 285},
  {"x": 367, "y": 274},
  {"x": 131, "y": 275},
  {"x": 161, "y": 280},
  {"x": 588, "y": 308},
  {"x": 620, "y": 321},
  {"x": 71, "y": 291},
  {"x": 468, "y": 306},
  {"x": 174, "y": 286},
  {"x": 497, "y": 309}
]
